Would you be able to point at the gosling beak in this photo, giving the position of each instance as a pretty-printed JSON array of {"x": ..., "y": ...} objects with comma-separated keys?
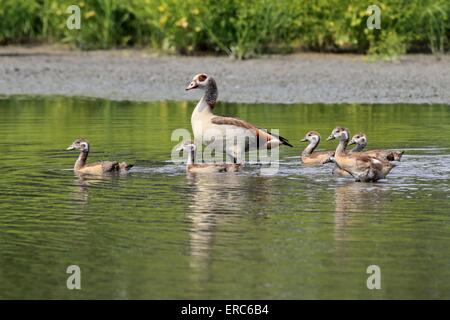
[
  {"x": 352, "y": 142},
  {"x": 70, "y": 147},
  {"x": 327, "y": 160},
  {"x": 191, "y": 86},
  {"x": 304, "y": 140},
  {"x": 331, "y": 137}
]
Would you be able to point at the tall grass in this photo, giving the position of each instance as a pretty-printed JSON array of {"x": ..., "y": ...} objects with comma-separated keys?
[{"x": 240, "y": 28}]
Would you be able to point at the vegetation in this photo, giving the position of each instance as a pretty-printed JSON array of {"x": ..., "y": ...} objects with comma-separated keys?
[{"x": 234, "y": 27}]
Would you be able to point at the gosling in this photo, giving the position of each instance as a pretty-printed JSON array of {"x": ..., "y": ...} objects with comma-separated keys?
[
  {"x": 193, "y": 167},
  {"x": 362, "y": 167},
  {"x": 360, "y": 140},
  {"x": 96, "y": 168},
  {"x": 358, "y": 148},
  {"x": 309, "y": 157}
]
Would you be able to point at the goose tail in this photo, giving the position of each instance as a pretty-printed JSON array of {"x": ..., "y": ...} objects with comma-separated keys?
[
  {"x": 283, "y": 140},
  {"x": 398, "y": 155},
  {"x": 125, "y": 166}
]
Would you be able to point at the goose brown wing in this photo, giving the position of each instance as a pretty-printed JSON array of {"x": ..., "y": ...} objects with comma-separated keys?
[
  {"x": 260, "y": 133},
  {"x": 109, "y": 166}
]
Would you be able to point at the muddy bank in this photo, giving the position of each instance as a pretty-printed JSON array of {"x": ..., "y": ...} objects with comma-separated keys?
[{"x": 299, "y": 78}]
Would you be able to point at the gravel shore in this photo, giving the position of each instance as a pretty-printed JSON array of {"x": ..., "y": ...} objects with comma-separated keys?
[{"x": 298, "y": 78}]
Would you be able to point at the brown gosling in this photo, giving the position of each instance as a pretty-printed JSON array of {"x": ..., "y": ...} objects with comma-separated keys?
[
  {"x": 96, "y": 168},
  {"x": 309, "y": 157},
  {"x": 362, "y": 167},
  {"x": 358, "y": 148},
  {"x": 360, "y": 140},
  {"x": 193, "y": 167}
]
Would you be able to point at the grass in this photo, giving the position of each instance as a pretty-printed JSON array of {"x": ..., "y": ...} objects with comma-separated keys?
[{"x": 241, "y": 29}]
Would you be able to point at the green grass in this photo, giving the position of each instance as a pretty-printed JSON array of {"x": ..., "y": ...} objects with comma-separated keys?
[{"x": 237, "y": 28}]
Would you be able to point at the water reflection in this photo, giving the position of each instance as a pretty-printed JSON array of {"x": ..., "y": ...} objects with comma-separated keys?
[
  {"x": 353, "y": 199},
  {"x": 212, "y": 198},
  {"x": 353, "y": 203},
  {"x": 83, "y": 182}
]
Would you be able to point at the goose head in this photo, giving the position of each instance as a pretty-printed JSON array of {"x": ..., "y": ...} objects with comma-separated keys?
[
  {"x": 339, "y": 133},
  {"x": 311, "y": 136},
  {"x": 199, "y": 81},
  {"x": 360, "y": 139},
  {"x": 79, "y": 144}
]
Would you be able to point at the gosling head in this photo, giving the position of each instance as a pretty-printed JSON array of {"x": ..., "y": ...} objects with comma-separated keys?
[
  {"x": 339, "y": 133},
  {"x": 79, "y": 144},
  {"x": 311, "y": 136},
  {"x": 199, "y": 81},
  {"x": 186, "y": 146},
  {"x": 360, "y": 139}
]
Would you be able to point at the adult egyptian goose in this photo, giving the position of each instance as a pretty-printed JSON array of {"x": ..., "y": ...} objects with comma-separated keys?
[
  {"x": 236, "y": 136},
  {"x": 193, "y": 167},
  {"x": 309, "y": 157},
  {"x": 360, "y": 140},
  {"x": 362, "y": 167},
  {"x": 96, "y": 168}
]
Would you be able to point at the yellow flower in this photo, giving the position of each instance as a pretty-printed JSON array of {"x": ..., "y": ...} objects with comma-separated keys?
[
  {"x": 183, "y": 23},
  {"x": 195, "y": 11},
  {"x": 89, "y": 14},
  {"x": 198, "y": 29},
  {"x": 162, "y": 8}
]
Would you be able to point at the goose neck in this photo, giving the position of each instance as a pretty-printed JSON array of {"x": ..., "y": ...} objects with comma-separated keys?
[
  {"x": 211, "y": 93},
  {"x": 310, "y": 148},
  {"x": 358, "y": 148},
  {"x": 81, "y": 161},
  {"x": 342, "y": 146}
]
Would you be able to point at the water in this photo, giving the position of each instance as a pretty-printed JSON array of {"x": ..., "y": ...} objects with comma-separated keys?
[{"x": 158, "y": 234}]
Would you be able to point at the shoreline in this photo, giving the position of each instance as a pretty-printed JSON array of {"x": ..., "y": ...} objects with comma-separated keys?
[{"x": 139, "y": 75}]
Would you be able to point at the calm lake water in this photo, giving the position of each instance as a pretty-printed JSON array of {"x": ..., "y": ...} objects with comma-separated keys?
[{"x": 158, "y": 233}]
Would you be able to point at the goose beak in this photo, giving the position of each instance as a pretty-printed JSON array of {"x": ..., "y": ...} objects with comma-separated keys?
[
  {"x": 303, "y": 140},
  {"x": 331, "y": 137},
  {"x": 71, "y": 147},
  {"x": 191, "y": 86},
  {"x": 351, "y": 142},
  {"x": 327, "y": 160}
]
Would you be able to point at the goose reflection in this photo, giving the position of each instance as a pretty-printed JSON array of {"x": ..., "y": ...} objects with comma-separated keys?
[
  {"x": 353, "y": 200},
  {"x": 82, "y": 182},
  {"x": 215, "y": 200}
]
